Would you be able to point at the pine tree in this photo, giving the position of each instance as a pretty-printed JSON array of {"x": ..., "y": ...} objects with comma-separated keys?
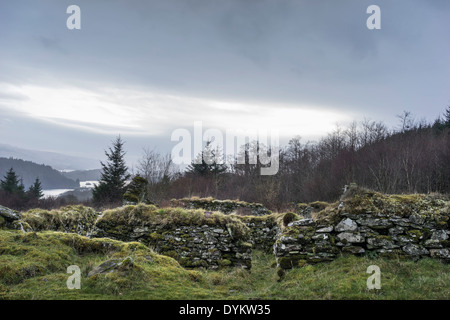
[
  {"x": 207, "y": 162},
  {"x": 114, "y": 175},
  {"x": 35, "y": 191},
  {"x": 12, "y": 184}
]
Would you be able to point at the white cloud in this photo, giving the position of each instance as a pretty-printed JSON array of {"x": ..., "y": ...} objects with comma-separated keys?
[{"x": 143, "y": 112}]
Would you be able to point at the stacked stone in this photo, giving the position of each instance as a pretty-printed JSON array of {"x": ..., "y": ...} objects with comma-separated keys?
[
  {"x": 195, "y": 246},
  {"x": 263, "y": 233},
  {"x": 416, "y": 236},
  {"x": 304, "y": 241}
]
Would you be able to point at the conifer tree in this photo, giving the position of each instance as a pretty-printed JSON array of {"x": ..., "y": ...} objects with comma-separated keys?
[
  {"x": 12, "y": 184},
  {"x": 114, "y": 175},
  {"x": 35, "y": 190},
  {"x": 207, "y": 163}
]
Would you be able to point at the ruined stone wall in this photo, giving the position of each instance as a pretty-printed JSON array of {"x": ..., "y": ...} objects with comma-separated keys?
[
  {"x": 72, "y": 219},
  {"x": 189, "y": 236},
  {"x": 363, "y": 222},
  {"x": 408, "y": 226},
  {"x": 191, "y": 245},
  {"x": 224, "y": 206},
  {"x": 263, "y": 231}
]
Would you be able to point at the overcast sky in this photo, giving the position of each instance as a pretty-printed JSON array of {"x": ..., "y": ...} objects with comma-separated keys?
[{"x": 142, "y": 69}]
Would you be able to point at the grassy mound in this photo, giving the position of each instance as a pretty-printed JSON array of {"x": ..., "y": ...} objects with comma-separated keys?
[{"x": 33, "y": 266}]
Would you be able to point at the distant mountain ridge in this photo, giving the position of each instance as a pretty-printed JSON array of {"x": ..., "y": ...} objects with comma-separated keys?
[
  {"x": 83, "y": 175},
  {"x": 28, "y": 171},
  {"x": 55, "y": 160}
]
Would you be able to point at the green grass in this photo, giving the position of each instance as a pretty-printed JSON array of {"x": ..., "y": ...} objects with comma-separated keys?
[{"x": 33, "y": 266}]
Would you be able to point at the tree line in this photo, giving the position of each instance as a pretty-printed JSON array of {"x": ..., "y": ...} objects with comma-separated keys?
[
  {"x": 13, "y": 194},
  {"x": 412, "y": 158}
]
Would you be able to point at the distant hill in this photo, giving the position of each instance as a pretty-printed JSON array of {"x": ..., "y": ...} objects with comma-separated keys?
[
  {"x": 81, "y": 194},
  {"x": 55, "y": 160},
  {"x": 29, "y": 171},
  {"x": 83, "y": 175}
]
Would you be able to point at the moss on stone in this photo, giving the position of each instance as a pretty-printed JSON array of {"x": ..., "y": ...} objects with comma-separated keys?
[
  {"x": 383, "y": 237},
  {"x": 415, "y": 234},
  {"x": 155, "y": 236},
  {"x": 224, "y": 206},
  {"x": 224, "y": 263},
  {"x": 73, "y": 218},
  {"x": 365, "y": 201},
  {"x": 142, "y": 214},
  {"x": 269, "y": 219},
  {"x": 289, "y": 217},
  {"x": 319, "y": 205},
  {"x": 301, "y": 206}
]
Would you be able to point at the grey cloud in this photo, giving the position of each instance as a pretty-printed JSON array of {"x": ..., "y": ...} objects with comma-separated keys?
[{"x": 293, "y": 52}]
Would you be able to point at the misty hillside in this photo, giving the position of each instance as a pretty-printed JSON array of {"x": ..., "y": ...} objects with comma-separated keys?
[
  {"x": 83, "y": 175},
  {"x": 55, "y": 160},
  {"x": 29, "y": 171}
]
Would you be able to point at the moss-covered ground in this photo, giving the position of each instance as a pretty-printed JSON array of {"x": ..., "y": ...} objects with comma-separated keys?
[{"x": 33, "y": 266}]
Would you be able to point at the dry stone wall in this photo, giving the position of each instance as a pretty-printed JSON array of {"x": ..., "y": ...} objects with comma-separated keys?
[
  {"x": 191, "y": 237},
  {"x": 397, "y": 226},
  {"x": 363, "y": 222},
  {"x": 192, "y": 246},
  {"x": 263, "y": 231}
]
